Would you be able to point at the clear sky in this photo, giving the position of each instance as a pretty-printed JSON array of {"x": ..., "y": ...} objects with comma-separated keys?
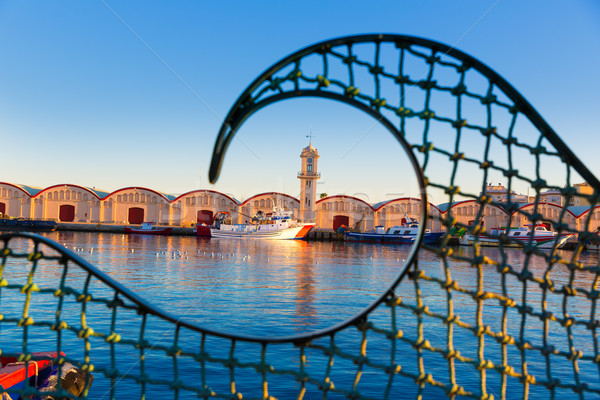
[{"x": 110, "y": 94}]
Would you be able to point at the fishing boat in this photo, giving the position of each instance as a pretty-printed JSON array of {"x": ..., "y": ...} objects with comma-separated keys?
[
  {"x": 40, "y": 372},
  {"x": 148, "y": 228},
  {"x": 403, "y": 234},
  {"x": 519, "y": 236},
  {"x": 279, "y": 225}
]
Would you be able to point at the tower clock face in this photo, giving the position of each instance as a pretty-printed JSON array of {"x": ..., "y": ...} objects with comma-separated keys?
[{"x": 309, "y": 160}]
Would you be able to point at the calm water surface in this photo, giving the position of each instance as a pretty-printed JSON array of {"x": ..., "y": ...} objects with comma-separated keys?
[{"x": 277, "y": 288}]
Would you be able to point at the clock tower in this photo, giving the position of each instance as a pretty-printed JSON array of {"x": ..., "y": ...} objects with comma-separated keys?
[{"x": 308, "y": 179}]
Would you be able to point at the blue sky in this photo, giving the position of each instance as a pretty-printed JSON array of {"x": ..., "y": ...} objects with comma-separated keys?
[{"x": 110, "y": 94}]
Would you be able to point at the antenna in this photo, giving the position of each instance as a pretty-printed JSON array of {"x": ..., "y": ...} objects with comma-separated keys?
[{"x": 310, "y": 136}]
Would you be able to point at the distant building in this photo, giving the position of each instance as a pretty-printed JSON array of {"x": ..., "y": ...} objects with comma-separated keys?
[
  {"x": 579, "y": 199},
  {"x": 499, "y": 194}
]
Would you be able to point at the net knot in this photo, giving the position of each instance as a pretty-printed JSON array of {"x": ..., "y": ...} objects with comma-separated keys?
[
  {"x": 35, "y": 256},
  {"x": 427, "y": 114},
  {"x": 538, "y": 150},
  {"x": 376, "y": 69},
  {"x": 392, "y": 369},
  {"x": 377, "y": 103},
  {"x": 143, "y": 378},
  {"x": 349, "y": 59},
  {"x": 539, "y": 184},
  {"x": 111, "y": 373},
  {"x": 352, "y": 91},
  {"x": 113, "y": 338},
  {"x": 174, "y": 351},
  {"x": 489, "y": 99},
  {"x": 25, "y": 321},
  {"x": 459, "y": 123},
  {"x": 422, "y": 344},
  {"x": 426, "y": 147},
  {"x": 424, "y": 378},
  {"x": 30, "y": 287},
  {"x": 426, "y": 85},
  {"x": 403, "y": 111},
  {"x": 457, "y": 156},
  {"x": 323, "y": 81},
  {"x": 178, "y": 384},
  {"x": 569, "y": 291},
  {"x": 459, "y": 89},
  {"x": 60, "y": 326},
  {"x": 452, "y": 190},
  {"x": 510, "y": 173},
  {"x": 504, "y": 338},
  {"x": 547, "y": 315},
  {"x": 84, "y": 298},
  {"x": 402, "y": 79},
  {"x": 575, "y": 355},
  {"x": 85, "y": 333},
  {"x": 486, "y": 164},
  {"x": 548, "y": 349},
  {"x": 526, "y": 378}
]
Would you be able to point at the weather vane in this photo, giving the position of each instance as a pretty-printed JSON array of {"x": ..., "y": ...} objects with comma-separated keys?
[{"x": 310, "y": 136}]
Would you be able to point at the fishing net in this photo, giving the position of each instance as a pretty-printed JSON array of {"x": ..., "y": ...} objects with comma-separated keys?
[{"x": 465, "y": 322}]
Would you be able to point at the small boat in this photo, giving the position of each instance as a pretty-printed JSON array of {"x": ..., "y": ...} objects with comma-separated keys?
[
  {"x": 40, "y": 373},
  {"x": 149, "y": 229},
  {"x": 279, "y": 225},
  {"x": 25, "y": 224},
  {"x": 403, "y": 234},
  {"x": 519, "y": 236}
]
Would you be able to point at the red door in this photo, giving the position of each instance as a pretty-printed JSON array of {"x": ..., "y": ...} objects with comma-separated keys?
[
  {"x": 136, "y": 215},
  {"x": 66, "y": 213},
  {"x": 339, "y": 220},
  {"x": 204, "y": 217},
  {"x": 2, "y": 208}
]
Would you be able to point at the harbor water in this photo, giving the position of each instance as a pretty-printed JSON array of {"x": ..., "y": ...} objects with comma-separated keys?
[{"x": 284, "y": 288}]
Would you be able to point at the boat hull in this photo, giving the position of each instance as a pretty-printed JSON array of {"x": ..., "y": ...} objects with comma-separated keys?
[
  {"x": 292, "y": 233},
  {"x": 542, "y": 242},
  {"x": 28, "y": 225},
  {"x": 429, "y": 238},
  {"x": 157, "y": 231}
]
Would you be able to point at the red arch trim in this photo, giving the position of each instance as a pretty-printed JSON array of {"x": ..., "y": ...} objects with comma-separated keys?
[{"x": 16, "y": 187}]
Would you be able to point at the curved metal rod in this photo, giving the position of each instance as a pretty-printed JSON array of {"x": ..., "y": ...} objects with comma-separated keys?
[
  {"x": 239, "y": 112},
  {"x": 148, "y": 308}
]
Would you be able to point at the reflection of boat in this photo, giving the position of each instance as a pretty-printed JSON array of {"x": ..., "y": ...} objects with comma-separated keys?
[
  {"x": 403, "y": 234},
  {"x": 24, "y": 224},
  {"x": 41, "y": 373},
  {"x": 149, "y": 229},
  {"x": 278, "y": 225},
  {"x": 542, "y": 237}
]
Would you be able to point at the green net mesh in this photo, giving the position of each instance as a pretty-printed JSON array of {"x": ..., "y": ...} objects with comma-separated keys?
[{"x": 465, "y": 322}]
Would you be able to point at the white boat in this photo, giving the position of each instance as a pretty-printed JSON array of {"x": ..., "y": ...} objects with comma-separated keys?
[
  {"x": 542, "y": 237},
  {"x": 278, "y": 225}
]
